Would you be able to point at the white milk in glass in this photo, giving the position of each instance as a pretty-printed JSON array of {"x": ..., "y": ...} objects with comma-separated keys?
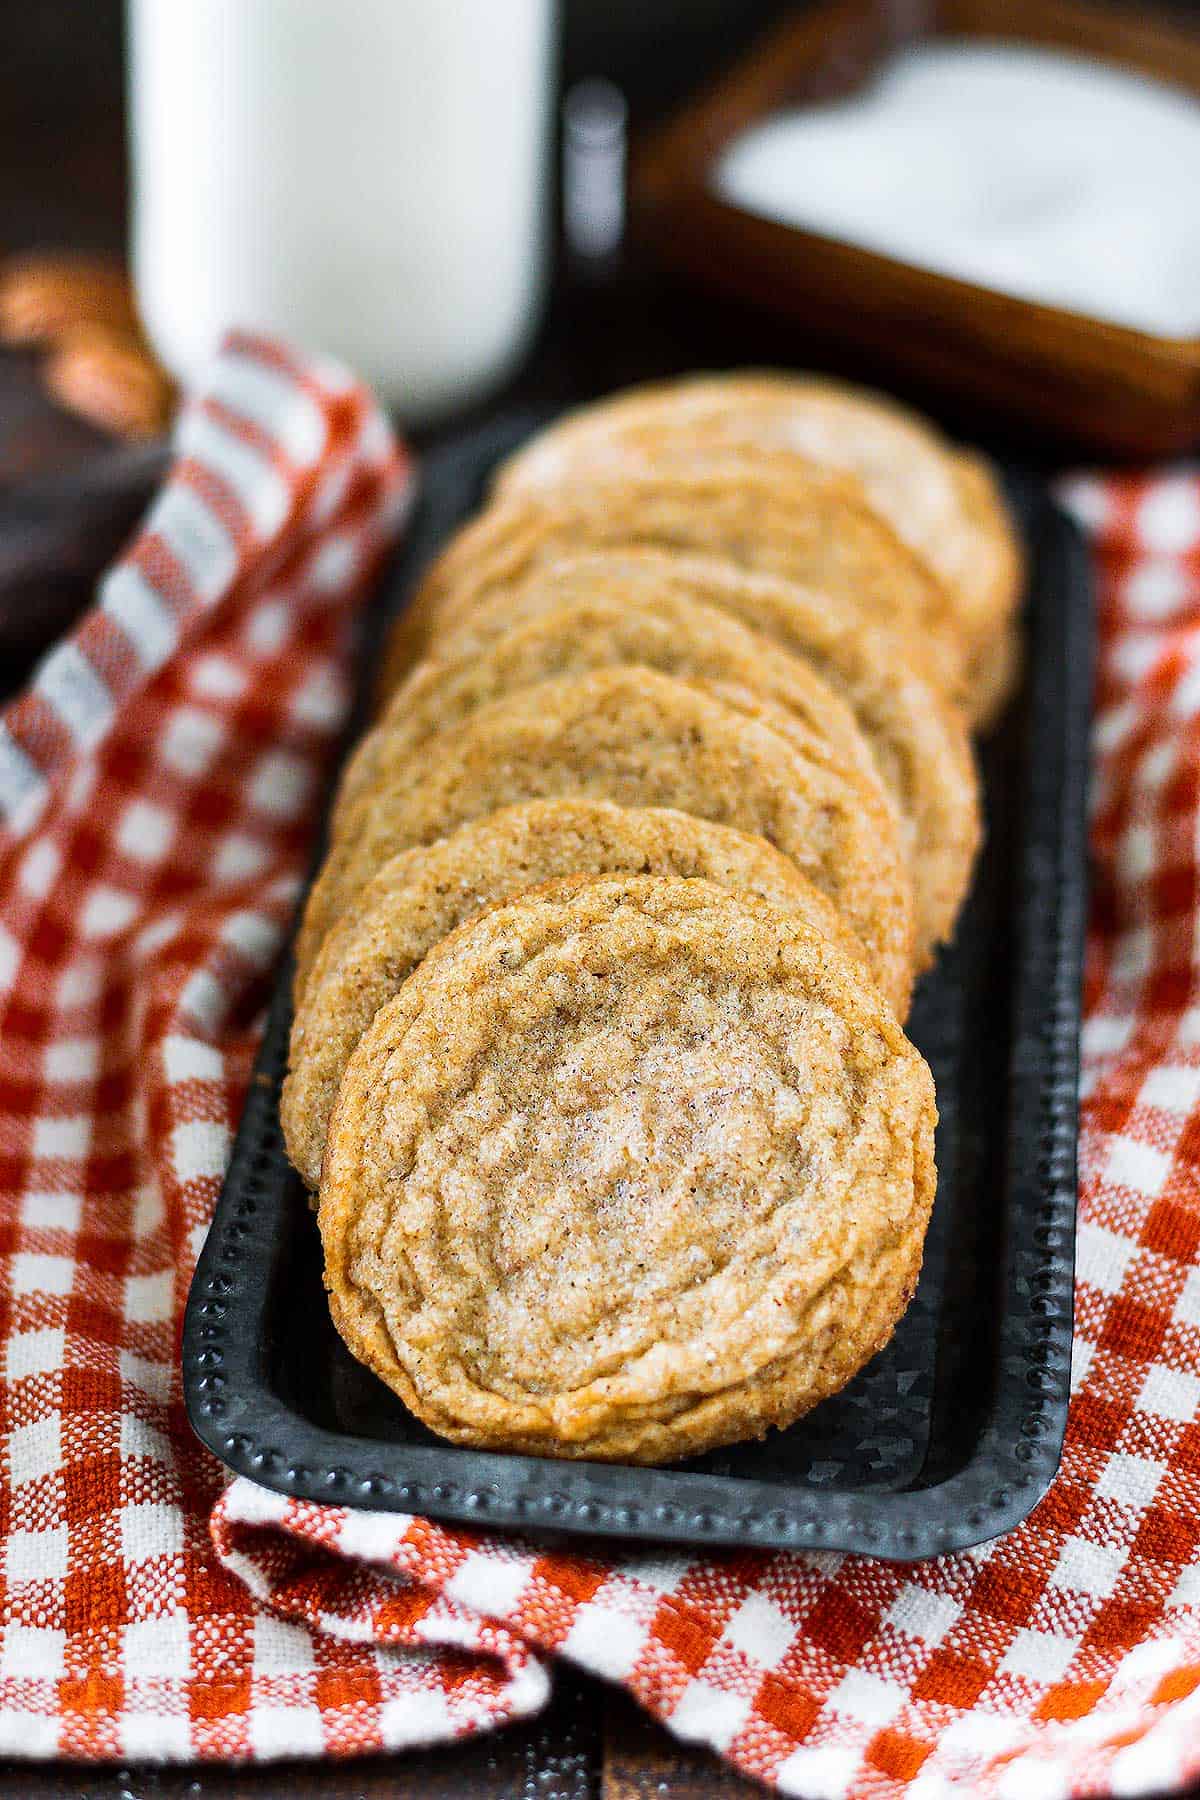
[{"x": 366, "y": 177}]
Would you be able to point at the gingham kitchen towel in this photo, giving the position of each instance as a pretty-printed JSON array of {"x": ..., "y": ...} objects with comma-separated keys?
[
  {"x": 157, "y": 787},
  {"x": 1063, "y": 1659}
]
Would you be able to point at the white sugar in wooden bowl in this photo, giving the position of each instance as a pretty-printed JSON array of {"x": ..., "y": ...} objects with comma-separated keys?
[{"x": 1035, "y": 173}]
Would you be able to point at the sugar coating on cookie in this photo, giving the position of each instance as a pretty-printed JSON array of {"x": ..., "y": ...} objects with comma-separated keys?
[
  {"x": 770, "y": 511},
  {"x": 601, "y": 615},
  {"x": 945, "y": 504},
  {"x": 918, "y": 741},
  {"x": 640, "y": 738},
  {"x": 421, "y": 895},
  {"x": 629, "y": 1168}
]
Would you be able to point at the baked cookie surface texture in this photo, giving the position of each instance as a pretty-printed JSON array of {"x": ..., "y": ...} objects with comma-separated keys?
[
  {"x": 629, "y": 1168},
  {"x": 420, "y": 896}
]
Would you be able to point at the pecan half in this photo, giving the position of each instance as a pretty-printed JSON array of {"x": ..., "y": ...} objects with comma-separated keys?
[
  {"x": 110, "y": 378},
  {"x": 44, "y": 296}
]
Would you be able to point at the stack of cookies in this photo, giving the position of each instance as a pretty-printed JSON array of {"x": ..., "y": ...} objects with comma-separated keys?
[{"x": 598, "y": 1068}]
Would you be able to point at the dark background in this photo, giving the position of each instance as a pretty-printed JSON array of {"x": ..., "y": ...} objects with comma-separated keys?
[{"x": 61, "y": 90}]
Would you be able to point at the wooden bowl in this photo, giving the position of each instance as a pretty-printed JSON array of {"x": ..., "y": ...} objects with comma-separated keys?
[{"x": 994, "y": 358}]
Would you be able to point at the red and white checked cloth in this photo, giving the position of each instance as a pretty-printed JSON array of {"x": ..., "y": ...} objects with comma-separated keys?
[{"x": 158, "y": 782}]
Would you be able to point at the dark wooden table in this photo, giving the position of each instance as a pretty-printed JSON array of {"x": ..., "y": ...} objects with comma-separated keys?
[{"x": 62, "y": 183}]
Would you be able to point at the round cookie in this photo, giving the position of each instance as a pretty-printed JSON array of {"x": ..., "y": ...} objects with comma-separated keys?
[
  {"x": 630, "y": 1167},
  {"x": 918, "y": 741},
  {"x": 771, "y": 512},
  {"x": 639, "y": 738},
  {"x": 593, "y": 620},
  {"x": 420, "y": 896},
  {"x": 945, "y": 504}
]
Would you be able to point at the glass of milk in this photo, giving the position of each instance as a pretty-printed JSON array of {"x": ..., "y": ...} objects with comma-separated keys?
[{"x": 366, "y": 177}]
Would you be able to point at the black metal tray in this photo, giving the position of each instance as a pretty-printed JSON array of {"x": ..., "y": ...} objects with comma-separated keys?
[{"x": 955, "y": 1431}]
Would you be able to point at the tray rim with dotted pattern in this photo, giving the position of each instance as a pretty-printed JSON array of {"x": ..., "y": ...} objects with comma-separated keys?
[{"x": 246, "y": 1373}]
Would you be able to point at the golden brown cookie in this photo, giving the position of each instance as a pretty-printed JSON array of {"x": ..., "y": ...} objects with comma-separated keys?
[
  {"x": 771, "y": 512},
  {"x": 639, "y": 738},
  {"x": 420, "y": 896},
  {"x": 919, "y": 742},
  {"x": 996, "y": 655},
  {"x": 629, "y": 1168},
  {"x": 599, "y": 616},
  {"x": 997, "y": 675},
  {"x": 946, "y": 505}
]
